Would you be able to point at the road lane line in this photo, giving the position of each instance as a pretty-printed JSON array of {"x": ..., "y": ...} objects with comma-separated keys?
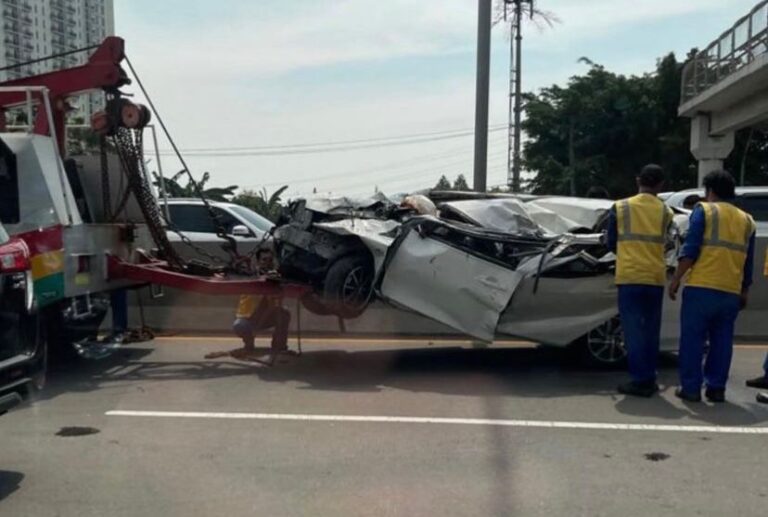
[
  {"x": 449, "y": 421},
  {"x": 441, "y": 341}
]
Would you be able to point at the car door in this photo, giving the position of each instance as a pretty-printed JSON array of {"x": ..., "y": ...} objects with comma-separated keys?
[
  {"x": 752, "y": 322},
  {"x": 196, "y": 225}
]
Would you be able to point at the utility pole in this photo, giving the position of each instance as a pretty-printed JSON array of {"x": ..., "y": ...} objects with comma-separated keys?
[
  {"x": 482, "y": 86},
  {"x": 515, "y": 94}
]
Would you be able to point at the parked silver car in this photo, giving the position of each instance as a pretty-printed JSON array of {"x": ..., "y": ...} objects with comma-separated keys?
[{"x": 190, "y": 218}]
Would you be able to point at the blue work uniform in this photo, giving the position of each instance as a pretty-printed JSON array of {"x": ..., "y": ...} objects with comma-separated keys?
[
  {"x": 119, "y": 303},
  {"x": 711, "y": 298},
  {"x": 637, "y": 229}
]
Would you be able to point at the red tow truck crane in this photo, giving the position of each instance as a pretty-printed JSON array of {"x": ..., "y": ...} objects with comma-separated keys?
[{"x": 91, "y": 222}]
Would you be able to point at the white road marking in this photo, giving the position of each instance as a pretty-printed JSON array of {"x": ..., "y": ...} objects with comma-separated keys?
[{"x": 450, "y": 421}]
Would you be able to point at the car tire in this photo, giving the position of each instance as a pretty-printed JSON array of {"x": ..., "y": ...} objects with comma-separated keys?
[
  {"x": 62, "y": 335},
  {"x": 348, "y": 285},
  {"x": 603, "y": 346},
  {"x": 40, "y": 359},
  {"x": 313, "y": 303}
]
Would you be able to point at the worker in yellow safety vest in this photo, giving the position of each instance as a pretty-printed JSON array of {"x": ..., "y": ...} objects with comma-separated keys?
[
  {"x": 762, "y": 381},
  {"x": 637, "y": 233},
  {"x": 716, "y": 264},
  {"x": 255, "y": 313}
]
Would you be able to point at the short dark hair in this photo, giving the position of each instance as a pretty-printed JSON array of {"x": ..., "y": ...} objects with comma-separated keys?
[
  {"x": 262, "y": 251},
  {"x": 651, "y": 176},
  {"x": 721, "y": 183}
]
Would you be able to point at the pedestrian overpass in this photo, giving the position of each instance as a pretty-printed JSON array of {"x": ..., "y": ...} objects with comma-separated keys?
[{"x": 725, "y": 88}]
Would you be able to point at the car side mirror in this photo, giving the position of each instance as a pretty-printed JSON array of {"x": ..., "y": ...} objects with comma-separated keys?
[{"x": 241, "y": 230}]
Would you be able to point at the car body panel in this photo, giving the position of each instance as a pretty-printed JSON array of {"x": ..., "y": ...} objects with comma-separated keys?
[
  {"x": 558, "y": 313},
  {"x": 374, "y": 233},
  {"x": 448, "y": 285}
]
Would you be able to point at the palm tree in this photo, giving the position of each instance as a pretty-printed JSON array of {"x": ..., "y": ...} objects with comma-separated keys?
[
  {"x": 194, "y": 188},
  {"x": 261, "y": 202}
]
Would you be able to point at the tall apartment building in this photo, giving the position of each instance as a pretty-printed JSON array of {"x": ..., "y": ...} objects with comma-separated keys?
[{"x": 32, "y": 29}]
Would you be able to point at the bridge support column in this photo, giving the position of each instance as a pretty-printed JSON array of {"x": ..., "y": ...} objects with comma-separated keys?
[{"x": 711, "y": 151}]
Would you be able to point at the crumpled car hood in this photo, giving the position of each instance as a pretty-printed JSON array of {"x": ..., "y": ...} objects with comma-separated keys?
[{"x": 530, "y": 268}]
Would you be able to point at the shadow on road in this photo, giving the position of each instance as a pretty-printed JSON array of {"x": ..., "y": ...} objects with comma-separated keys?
[
  {"x": 10, "y": 481},
  {"x": 540, "y": 373}
]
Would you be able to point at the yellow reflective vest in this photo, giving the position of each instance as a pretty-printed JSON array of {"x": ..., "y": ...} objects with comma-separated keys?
[
  {"x": 642, "y": 222},
  {"x": 248, "y": 304},
  {"x": 720, "y": 265}
]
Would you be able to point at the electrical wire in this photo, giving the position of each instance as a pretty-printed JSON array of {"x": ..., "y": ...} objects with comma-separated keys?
[
  {"x": 320, "y": 150},
  {"x": 391, "y": 166},
  {"x": 445, "y": 132}
]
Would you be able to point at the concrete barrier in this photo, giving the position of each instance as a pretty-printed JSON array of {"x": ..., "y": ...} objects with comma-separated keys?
[{"x": 180, "y": 311}]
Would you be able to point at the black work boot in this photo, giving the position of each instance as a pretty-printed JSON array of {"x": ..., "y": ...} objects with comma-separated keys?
[
  {"x": 760, "y": 383},
  {"x": 688, "y": 397},
  {"x": 638, "y": 389},
  {"x": 715, "y": 394}
]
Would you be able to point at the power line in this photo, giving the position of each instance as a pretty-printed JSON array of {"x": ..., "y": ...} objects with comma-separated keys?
[
  {"x": 357, "y": 172},
  {"x": 319, "y": 150},
  {"x": 445, "y": 132}
]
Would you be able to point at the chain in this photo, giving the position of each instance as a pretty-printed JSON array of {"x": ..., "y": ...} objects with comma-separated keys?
[
  {"x": 106, "y": 195},
  {"x": 128, "y": 146},
  {"x": 186, "y": 240}
]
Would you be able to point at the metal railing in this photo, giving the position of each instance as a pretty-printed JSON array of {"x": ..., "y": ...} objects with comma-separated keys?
[{"x": 733, "y": 50}]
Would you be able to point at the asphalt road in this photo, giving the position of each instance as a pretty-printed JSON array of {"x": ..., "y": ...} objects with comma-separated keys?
[{"x": 396, "y": 428}]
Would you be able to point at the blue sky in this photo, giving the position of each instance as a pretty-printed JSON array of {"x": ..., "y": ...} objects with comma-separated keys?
[{"x": 273, "y": 72}]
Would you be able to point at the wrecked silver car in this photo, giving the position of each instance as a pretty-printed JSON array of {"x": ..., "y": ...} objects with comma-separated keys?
[{"x": 488, "y": 267}]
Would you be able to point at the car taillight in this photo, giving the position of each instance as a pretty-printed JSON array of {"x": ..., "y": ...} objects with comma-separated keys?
[{"x": 14, "y": 257}]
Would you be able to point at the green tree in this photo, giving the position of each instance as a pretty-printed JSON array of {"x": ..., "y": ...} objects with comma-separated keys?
[
  {"x": 261, "y": 202},
  {"x": 461, "y": 183},
  {"x": 749, "y": 159},
  {"x": 443, "y": 183},
  {"x": 602, "y": 127},
  {"x": 194, "y": 188}
]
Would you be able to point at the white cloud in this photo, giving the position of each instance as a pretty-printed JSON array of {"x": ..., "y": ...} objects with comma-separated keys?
[{"x": 215, "y": 83}]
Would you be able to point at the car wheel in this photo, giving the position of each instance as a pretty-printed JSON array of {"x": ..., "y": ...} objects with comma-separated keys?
[
  {"x": 604, "y": 345},
  {"x": 314, "y": 304},
  {"x": 40, "y": 358},
  {"x": 65, "y": 333},
  {"x": 348, "y": 285}
]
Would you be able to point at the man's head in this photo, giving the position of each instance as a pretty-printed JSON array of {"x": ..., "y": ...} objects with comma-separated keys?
[
  {"x": 265, "y": 258},
  {"x": 651, "y": 179},
  {"x": 719, "y": 186}
]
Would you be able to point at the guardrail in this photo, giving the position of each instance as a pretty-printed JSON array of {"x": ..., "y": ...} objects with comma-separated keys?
[{"x": 733, "y": 50}]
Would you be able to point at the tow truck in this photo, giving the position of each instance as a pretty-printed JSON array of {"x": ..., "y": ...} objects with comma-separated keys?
[{"x": 92, "y": 223}]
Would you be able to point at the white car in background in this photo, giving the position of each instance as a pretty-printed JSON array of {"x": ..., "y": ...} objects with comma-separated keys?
[{"x": 190, "y": 218}]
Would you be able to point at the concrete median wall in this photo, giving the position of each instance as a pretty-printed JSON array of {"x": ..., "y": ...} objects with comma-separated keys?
[{"x": 179, "y": 311}]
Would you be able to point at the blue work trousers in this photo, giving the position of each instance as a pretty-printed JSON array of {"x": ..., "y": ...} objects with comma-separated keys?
[
  {"x": 119, "y": 303},
  {"x": 765, "y": 365},
  {"x": 640, "y": 312},
  {"x": 706, "y": 315}
]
